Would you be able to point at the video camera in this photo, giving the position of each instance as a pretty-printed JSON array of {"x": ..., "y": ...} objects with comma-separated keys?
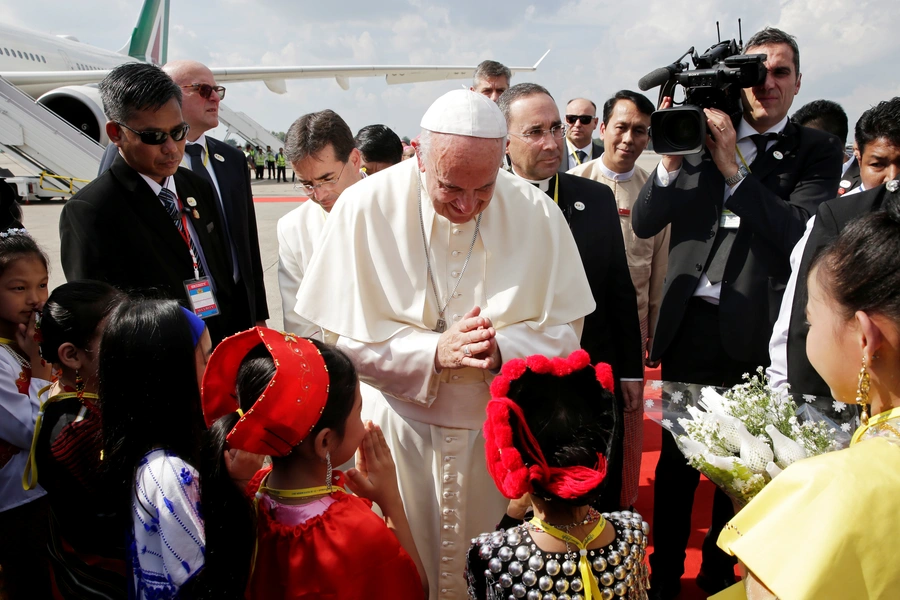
[{"x": 716, "y": 81}]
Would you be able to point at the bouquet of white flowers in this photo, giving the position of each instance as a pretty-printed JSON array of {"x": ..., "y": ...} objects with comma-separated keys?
[{"x": 742, "y": 437}]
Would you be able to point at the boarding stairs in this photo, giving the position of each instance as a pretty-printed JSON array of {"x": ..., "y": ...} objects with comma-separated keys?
[
  {"x": 45, "y": 143},
  {"x": 242, "y": 125}
]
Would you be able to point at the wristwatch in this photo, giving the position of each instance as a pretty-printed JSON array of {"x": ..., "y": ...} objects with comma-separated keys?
[{"x": 737, "y": 177}]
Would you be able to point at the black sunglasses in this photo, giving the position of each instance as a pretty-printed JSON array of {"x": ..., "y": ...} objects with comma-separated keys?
[
  {"x": 205, "y": 90},
  {"x": 585, "y": 119},
  {"x": 155, "y": 138}
]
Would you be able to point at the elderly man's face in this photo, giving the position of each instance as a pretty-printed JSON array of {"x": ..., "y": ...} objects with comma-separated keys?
[{"x": 461, "y": 174}]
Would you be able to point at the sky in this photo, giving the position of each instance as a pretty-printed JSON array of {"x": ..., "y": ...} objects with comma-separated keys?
[{"x": 597, "y": 46}]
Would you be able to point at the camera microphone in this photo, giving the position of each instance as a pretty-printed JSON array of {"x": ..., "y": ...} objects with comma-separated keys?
[{"x": 656, "y": 77}]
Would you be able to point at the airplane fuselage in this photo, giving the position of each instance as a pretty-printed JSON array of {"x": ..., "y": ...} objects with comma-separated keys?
[{"x": 25, "y": 50}]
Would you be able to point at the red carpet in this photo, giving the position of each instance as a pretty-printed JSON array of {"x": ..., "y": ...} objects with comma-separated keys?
[{"x": 702, "y": 505}]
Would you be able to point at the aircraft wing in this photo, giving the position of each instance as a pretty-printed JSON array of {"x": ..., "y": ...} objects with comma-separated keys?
[{"x": 274, "y": 77}]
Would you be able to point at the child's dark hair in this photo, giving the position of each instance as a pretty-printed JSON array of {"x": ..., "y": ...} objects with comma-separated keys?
[
  {"x": 10, "y": 211},
  {"x": 572, "y": 418},
  {"x": 228, "y": 515},
  {"x": 148, "y": 383},
  {"x": 16, "y": 244},
  {"x": 860, "y": 269},
  {"x": 72, "y": 313}
]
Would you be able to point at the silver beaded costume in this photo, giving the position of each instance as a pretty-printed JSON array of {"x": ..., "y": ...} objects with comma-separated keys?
[{"x": 508, "y": 565}]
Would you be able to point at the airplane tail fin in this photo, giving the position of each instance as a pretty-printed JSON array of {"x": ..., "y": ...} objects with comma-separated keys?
[{"x": 150, "y": 39}]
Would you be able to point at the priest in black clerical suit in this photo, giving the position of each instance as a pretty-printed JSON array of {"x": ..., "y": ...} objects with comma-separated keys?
[
  {"x": 612, "y": 333},
  {"x": 116, "y": 230}
]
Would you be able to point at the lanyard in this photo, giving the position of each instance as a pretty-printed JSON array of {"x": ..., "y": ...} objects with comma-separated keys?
[
  {"x": 186, "y": 236},
  {"x": 205, "y": 155},
  {"x": 322, "y": 490},
  {"x": 572, "y": 151},
  {"x": 556, "y": 191},
  {"x": 591, "y": 590},
  {"x": 30, "y": 475}
]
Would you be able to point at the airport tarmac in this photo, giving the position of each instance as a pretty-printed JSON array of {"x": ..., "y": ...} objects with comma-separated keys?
[{"x": 272, "y": 201}]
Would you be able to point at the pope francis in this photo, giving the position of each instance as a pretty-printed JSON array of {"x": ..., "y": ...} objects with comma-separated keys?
[{"x": 432, "y": 273}]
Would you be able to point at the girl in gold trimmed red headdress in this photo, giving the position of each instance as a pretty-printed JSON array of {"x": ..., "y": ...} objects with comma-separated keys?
[
  {"x": 312, "y": 538},
  {"x": 548, "y": 436}
]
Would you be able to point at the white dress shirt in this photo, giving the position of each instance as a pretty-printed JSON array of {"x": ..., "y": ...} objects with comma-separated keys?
[{"x": 745, "y": 146}]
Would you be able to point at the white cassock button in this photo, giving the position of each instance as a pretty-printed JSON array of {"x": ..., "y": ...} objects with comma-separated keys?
[
  {"x": 457, "y": 317},
  {"x": 456, "y": 232},
  {"x": 454, "y": 273},
  {"x": 455, "y": 377},
  {"x": 455, "y": 253},
  {"x": 457, "y": 295}
]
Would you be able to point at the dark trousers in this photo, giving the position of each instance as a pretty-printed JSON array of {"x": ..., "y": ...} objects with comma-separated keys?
[
  {"x": 23, "y": 550},
  {"x": 696, "y": 355},
  {"x": 259, "y": 171},
  {"x": 271, "y": 166},
  {"x": 282, "y": 175}
]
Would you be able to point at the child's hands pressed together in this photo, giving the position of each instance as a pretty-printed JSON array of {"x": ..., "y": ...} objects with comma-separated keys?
[{"x": 375, "y": 476}]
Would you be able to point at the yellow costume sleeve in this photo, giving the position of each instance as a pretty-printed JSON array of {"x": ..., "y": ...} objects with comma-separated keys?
[{"x": 827, "y": 527}]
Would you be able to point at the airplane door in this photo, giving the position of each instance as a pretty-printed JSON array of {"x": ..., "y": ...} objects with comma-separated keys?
[{"x": 68, "y": 61}]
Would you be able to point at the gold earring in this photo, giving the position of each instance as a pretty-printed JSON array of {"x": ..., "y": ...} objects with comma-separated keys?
[
  {"x": 328, "y": 471},
  {"x": 862, "y": 392}
]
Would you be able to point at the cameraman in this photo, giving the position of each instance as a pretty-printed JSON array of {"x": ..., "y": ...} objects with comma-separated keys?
[{"x": 736, "y": 211}]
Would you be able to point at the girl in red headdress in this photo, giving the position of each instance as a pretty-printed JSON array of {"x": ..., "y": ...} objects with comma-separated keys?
[
  {"x": 312, "y": 538},
  {"x": 547, "y": 436}
]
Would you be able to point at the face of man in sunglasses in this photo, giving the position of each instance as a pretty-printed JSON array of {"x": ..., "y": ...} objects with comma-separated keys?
[
  {"x": 578, "y": 133},
  {"x": 202, "y": 114},
  {"x": 155, "y": 161}
]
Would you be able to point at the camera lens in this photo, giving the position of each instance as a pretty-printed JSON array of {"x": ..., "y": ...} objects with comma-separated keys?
[
  {"x": 678, "y": 130},
  {"x": 682, "y": 130}
]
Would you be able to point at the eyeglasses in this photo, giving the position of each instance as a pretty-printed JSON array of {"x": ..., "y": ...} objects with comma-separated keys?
[
  {"x": 310, "y": 190},
  {"x": 155, "y": 138},
  {"x": 536, "y": 135},
  {"x": 205, "y": 90},
  {"x": 585, "y": 119}
]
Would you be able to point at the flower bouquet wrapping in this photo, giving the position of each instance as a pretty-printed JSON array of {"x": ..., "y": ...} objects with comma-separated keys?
[{"x": 742, "y": 437}]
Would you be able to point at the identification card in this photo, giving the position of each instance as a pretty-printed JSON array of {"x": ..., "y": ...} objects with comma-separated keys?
[
  {"x": 201, "y": 297},
  {"x": 729, "y": 220}
]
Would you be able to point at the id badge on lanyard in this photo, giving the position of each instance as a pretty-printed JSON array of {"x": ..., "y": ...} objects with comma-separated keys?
[{"x": 200, "y": 295}]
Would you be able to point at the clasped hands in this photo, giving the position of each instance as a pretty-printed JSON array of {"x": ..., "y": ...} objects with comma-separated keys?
[
  {"x": 721, "y": 140},
  {"x": 470, "y": 342}
]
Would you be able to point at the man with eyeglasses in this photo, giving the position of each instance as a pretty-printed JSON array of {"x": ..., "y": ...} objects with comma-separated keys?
[
  {"x": 581, "y": 121},
  {"x": 224, "y": 167},
  {"x": 612, "y": 332},
  {"x": 321, "y": 151},
  {"x": 146, "y": 223}
]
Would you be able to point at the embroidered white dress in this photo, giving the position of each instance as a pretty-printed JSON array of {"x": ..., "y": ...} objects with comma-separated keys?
[{"x": 168, "y": 539}]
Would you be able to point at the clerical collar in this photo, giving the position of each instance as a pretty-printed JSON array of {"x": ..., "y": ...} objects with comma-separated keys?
[
  {"x": 610, "y": 174},
  {"x": 543, "y": 184},
  {"x": 745, "y": 129}
]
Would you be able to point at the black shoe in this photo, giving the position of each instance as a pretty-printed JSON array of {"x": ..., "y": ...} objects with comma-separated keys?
[
  {"x": 713, "y": 584},
  {"x": 664, "y": 590}
]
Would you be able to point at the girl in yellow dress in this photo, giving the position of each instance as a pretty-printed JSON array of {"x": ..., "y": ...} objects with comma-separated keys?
[{"x": 828, "y": 527}]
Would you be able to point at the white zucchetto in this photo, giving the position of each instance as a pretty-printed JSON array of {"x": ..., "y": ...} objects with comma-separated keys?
[{"x": 464, "y": 112}]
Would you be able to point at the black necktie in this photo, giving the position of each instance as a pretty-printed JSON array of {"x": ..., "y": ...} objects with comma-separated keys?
[
  {"x": 169, "y": 203},
  {"x": 582, "y": 155},
  {"x": 715, "y": 269}
]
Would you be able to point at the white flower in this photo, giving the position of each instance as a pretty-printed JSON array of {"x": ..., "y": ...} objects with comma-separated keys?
[
  {"x": 809, "y": 398},
  {"x": 677, "y": 397},
  {"x": 838, "y": 406},
  {"x": 667, "y": 423},
  {"x": 845, "y": 427},
  {"x": 648, "y": 403},
  {"x": 792, "y": 420},
  {"x": 656, "y": 384}
]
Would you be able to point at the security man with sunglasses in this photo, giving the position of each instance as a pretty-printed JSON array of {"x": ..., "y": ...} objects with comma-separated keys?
[
  {"x": 580, "y": 147},
  {"x": 145, "y": 222}
]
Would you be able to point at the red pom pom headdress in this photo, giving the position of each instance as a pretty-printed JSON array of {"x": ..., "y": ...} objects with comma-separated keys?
[
  {"x": 289, "y": 407},
  {"x": 514, "y": 473}
]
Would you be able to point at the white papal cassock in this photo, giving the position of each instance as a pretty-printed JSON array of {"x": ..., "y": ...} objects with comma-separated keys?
[{"x": 368, "y": 283}]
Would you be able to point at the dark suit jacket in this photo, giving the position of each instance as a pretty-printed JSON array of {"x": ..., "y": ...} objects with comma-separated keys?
[
  {"x": 596, "y": 151},
  {"x": 831, "y": 219},
  {"x": 612, "y": 333},
  {"x": 852, "y": 176},
  {"x": 240, "y": 216},
  {"x": 116, "y": 230},
  {"x": 774, "y": 203}
]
